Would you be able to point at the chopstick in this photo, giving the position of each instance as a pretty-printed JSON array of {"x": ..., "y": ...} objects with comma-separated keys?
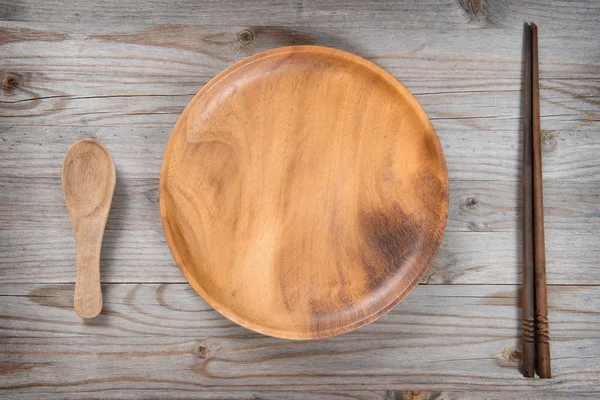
[
  {"x": 541, "y": 297},
  {"x": 534, "y": 296},
  {"x": 528, "y": 299}
]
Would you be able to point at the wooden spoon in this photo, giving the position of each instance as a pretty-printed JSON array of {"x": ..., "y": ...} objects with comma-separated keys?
[{"x": 88, "y": 180}]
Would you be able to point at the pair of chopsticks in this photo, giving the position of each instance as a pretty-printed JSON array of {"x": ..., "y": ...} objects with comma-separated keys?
[{"x": 536, "y": 349}]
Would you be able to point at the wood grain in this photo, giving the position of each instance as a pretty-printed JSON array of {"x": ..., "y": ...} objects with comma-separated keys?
[
  {"x": 100, "y": 100},
  {"x": 8, "y": 35},
  {"x": 199, "y": 50},
  {"x": 303, "y": 192},
  {"x": 474, "y": 205},
  {"x": 143, "y": 256},
  {"x": 88, "y": 182},
  {"x": 471, "y": 395},
  {"x": 483, "y": 225},
  {"x": 165, "y": 338},
  {"x": 71, "y": 70},
  {"x": 168, "y": 61},
  {"x": 541, "y": 299},
  {"x": 528, "y": 286},
  {"x": 570, "y": 153},
  {"x": 414, "y": 14}
]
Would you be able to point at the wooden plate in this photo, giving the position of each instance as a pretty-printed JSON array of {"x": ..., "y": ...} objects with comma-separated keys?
[{"x": 303, "y": 192}]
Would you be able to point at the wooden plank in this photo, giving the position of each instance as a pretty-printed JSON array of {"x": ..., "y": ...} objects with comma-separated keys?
[
  {"x": 482, "y": 242},
  {"x": 166, "y": 64},
  {"x": 159, "y": 392},
  {"x": 103, "y": 100},
  {"x": 52, "y": 93},
  {"x": 77, "y": 81},
  {"x": 165, "y": 338},
  {"x": 475, "y": 206},
  {"x": 471, "y": 154},
  {"x": 141, "y": 255},
  {"x": 476, "y": 395},
  {"x": 146, "y": 75},
  {"x": 202, "y": 51},
  {"x": 414, "y": 14},
  {"x": 251, "y": 394},
  {"x": 110, "y": 71},
  {"x": 485, "y": 206}
]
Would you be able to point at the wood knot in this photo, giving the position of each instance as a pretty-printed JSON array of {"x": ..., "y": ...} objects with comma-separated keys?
[
  {"x": 510, "y": 357},
  {"x": 478, "y": 226},
  {"x": 204, "y": 351},
  {"x": 273, "y": 36},
  {"x": 201, "y": 351},
  {"x": 470, "y": 203},
  {"x": 514, "y": 354},
  {"x": 412, "y": 395},
  {"x": 246, "y": 36},
  {"x": 474, "y": 8},
  {"x": 548, "y": 141},
  {"x": 10, "y": 83}
]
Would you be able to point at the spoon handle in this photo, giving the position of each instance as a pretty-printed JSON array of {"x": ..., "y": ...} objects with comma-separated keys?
[{"x": 88, "y": 294}]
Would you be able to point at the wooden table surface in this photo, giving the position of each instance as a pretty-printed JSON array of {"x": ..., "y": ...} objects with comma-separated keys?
[{"x": 122, "y": 72}]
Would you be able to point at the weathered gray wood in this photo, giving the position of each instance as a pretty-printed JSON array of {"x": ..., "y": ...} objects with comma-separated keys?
[
  {"x": 470, "y": 154},
  {"x": 37, "y": 244},
  {"x": 165, "y": 65},
  {"x": 61, "y": 98},
  {"x": 414, "y": 14},
  {"x": 164, "y": 337},
  {"x": 475, "y": 206},
  {"x": 142, "y": 255},
  {"x": 478, "y": 395},
  {"x": 199, "y": 50},
  {"x": 481, "y": 206},
  {"x": 99, "y": 100},
  {"x": 158, "y": 391},
  {"x": 123, "y": 71},
  {"x": 470, "y": 90}
]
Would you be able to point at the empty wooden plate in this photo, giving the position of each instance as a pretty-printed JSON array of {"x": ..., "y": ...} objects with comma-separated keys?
[{"x": 303, "y": 192}]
